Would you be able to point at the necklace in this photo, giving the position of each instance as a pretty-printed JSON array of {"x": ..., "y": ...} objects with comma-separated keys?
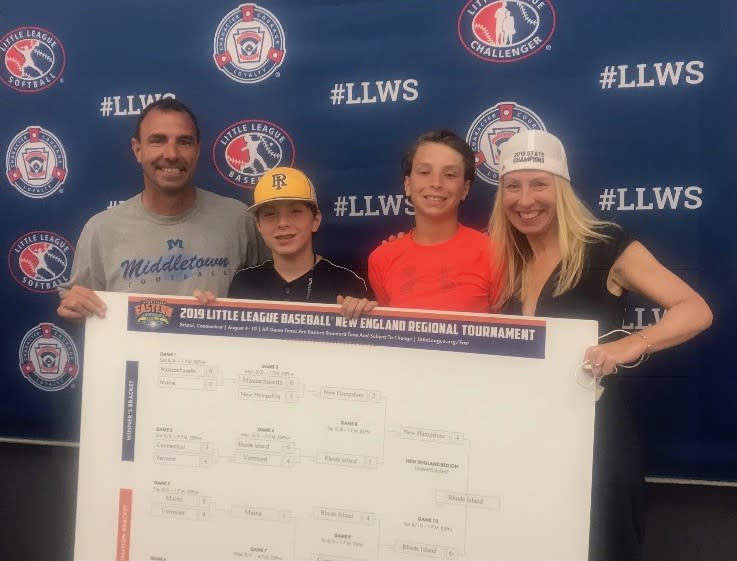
[{"x": 309, "y": 279}]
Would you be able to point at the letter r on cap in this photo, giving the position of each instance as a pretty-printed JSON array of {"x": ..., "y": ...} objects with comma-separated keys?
[{"x": 279, "y": 180}]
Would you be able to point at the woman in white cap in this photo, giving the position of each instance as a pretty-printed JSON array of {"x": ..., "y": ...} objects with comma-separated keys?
[{"x": 561, "y": 261}]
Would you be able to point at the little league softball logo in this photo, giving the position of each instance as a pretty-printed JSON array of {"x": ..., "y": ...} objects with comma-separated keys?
[
  {"x": 48, "y": 357},
  {"x": 244, "y": 151},
  {"x": 40, "y": 261},
  {"x": 33, "y": 59},
  {"x": 492, "y": 129},
  {"x": 249, "y": 44},
  {"x": 35, "y": 163},
  {"x": 506, "y": 30}
]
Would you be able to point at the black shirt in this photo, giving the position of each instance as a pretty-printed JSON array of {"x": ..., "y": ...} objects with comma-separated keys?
[
  {"x": 590, "y": 298},
  {"x": 322, "y": 284}
]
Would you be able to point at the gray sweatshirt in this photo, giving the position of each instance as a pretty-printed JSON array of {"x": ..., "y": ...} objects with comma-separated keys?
[{"x": 129, "y": 249}]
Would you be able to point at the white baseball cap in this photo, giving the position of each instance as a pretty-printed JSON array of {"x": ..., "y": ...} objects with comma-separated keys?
[{"x": 535, "y": 150}]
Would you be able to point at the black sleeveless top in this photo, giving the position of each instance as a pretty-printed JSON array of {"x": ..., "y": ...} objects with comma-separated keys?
[{"x": 589, "y": 299}]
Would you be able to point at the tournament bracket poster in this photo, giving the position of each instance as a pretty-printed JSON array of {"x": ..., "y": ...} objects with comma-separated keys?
[{"x": 271, "y": 430}]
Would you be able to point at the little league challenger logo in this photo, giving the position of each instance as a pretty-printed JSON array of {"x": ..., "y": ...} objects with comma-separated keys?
[
  {"x": 33, "y": 59},
  {"x": 48, "y": 357},
  {"x": 249, "y": 44},
  {"x": 492, "y": 129},
  {"x": 40, "y": 261},
  {"x": 35, "y": 163},
  {"x": 246, "y": 150},
  {"x": 506, "y": 30}
]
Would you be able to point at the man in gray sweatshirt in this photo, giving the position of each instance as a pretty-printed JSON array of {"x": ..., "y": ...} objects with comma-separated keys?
[{"x": 169, "y": 239}]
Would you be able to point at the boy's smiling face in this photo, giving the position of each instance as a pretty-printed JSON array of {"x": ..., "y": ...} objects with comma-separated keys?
[{"x": 287, "y": 226}]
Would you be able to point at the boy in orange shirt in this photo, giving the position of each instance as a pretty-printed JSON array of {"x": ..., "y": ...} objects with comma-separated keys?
[{"x": 440, "y": 264}]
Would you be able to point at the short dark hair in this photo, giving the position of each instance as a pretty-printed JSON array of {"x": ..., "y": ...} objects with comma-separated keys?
[
  {"x": 449, "y": 139},
  {"x": 166, "y": 104}
]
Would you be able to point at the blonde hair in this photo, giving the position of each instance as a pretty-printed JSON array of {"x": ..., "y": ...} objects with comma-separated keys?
[{"x": 577, "y": 226}]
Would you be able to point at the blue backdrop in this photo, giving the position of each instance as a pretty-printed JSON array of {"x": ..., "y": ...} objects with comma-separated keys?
[{"x": 642, "y": 94}]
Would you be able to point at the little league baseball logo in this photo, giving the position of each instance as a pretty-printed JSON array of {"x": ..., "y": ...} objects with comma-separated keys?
[
  {"x": 506, "y": 30},
  {"x": 39, "y": 261},
  {"x": 35, "y": 163},
  {"x": 492, "y": 129},
  {"x": 249, "y": 44},
  {"x": 33, "y": 59},
  {"x": 48, "y": 357},
  {"x": 244, "y": 151}
]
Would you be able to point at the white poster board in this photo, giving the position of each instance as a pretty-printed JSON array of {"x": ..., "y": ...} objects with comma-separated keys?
[{"x": 254, "y": 430}]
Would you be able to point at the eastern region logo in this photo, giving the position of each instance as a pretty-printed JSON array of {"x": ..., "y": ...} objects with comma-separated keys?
[
  {"x": 492, "y": 129},
  {"x": 39, "y": 261},
  {"x": 33, "y": 59},
  {"x": 35, "y": 163},
  {"x": 48, "y": 357},
  {"x": 153, "y": 313},
  {"x": 506, "y": 30},
  {"x": 249, "y": 44},
  {"x": 244, "y": 151}
]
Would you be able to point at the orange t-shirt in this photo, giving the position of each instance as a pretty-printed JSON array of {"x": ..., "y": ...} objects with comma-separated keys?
[{"x": 453, "y": 275}]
